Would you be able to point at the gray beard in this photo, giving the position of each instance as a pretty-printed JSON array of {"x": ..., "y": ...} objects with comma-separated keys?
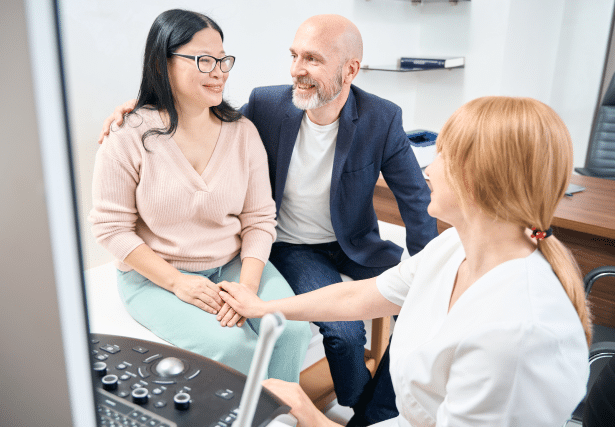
[
  {"x": 315, "y": 101},
  {"x": 320, "y": 98}
]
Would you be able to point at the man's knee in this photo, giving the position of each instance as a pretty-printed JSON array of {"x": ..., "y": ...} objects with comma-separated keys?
[{"x": 339, "y": 336}]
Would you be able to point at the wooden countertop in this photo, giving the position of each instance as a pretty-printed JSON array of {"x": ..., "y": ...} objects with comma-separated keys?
[{"x": 591, "y": 211}]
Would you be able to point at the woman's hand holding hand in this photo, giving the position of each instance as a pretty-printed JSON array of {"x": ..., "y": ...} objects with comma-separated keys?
[
  {"x": 227, "y": 316},
  {"x": 242, "y": 299},
  {"x": 198, "y": 291}
]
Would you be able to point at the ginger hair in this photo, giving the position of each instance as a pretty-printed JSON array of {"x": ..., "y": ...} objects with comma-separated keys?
[{"x": 513, "y": 157}]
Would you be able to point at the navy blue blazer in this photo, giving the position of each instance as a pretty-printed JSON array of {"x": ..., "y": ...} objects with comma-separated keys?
[{"x": 370, "y": 140}]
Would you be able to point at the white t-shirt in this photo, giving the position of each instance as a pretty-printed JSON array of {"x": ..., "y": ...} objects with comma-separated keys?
[
  {"x": 511, "y": 351},
  {"x": 305, "y": 215}
]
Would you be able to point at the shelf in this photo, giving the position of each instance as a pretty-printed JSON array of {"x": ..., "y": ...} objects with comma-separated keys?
[
  {"x": 446, "y": 64},
  {"x": 431, "y": 1}
]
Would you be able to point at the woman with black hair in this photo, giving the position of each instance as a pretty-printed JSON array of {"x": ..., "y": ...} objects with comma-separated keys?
[{"x": 181, "y": 197}]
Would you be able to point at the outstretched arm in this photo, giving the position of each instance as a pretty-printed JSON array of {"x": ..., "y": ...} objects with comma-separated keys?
[
  {"x": 117, "y": 117},
  {"x": 341, "y": 301}
]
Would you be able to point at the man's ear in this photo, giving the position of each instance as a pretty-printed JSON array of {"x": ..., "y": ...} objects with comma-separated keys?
[{"x": 351, "y": 70}]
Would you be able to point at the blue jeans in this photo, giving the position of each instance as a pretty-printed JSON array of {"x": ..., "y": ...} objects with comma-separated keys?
[
  {"x": 377, "y": 402},
  {"x": 310, "y": 267}
]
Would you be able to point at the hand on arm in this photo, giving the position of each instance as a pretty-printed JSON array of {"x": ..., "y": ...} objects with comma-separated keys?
[
  {"x": 196, "y": 290},
  {"x": 301, "y": 406},
  {"x": 117, "y": 117}
]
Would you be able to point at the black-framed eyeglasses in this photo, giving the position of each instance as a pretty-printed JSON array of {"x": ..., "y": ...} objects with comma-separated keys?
[{"x": 207, "y": 63}]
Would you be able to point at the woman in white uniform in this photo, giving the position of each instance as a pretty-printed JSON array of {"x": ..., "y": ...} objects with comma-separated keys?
[{"x": 493, "y": 328}]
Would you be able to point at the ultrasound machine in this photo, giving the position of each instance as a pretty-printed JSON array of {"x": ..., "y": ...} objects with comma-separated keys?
[{"x": 145, "y": 384}]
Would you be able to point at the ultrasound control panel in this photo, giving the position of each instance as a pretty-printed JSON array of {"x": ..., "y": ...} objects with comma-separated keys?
[{"x": 142, "y": 383}]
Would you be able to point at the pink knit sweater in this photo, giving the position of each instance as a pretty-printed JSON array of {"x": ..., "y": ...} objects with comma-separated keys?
[{"x": 195, "y": 222}]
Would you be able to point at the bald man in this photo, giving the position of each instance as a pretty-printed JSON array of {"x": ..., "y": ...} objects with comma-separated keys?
[{"x": 327, "y": 142}]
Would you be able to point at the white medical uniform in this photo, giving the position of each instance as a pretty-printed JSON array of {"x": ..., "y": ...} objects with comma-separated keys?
[{"x": 511, "y": 351}]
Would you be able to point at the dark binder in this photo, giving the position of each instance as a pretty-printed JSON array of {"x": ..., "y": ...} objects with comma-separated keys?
[{"x": 407, "y": 63}]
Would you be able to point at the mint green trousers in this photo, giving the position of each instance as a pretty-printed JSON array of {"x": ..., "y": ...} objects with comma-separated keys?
[{"x": 193, "y": 329}]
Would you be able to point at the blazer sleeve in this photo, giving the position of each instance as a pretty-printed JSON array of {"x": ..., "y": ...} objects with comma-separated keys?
[
  {"x": 404, "y": 177},
  {"x": 247, "y": 109}
]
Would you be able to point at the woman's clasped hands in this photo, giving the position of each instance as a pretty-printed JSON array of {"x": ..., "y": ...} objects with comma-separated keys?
[{"x": 205, "y": 294}]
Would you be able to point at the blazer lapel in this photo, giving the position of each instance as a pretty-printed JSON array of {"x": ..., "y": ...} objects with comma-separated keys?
[
  {"x": 289, "y": 130},
  {"x": 345, "y": 136}
]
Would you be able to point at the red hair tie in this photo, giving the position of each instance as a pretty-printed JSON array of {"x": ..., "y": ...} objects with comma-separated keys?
[{"x": 540, "y": 235}]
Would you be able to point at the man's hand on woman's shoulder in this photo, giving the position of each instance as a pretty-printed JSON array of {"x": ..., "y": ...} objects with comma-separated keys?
[{"x": 117, "y": 117}]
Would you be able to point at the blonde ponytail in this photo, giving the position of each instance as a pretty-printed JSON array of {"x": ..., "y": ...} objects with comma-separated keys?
[{"x": 567, "y": 271}]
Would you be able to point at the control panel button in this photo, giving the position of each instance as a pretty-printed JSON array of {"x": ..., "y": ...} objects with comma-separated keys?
[
  {"x": 140, "y": 349},
  {"x": 165, "y": 382},
  {"x": 225, "y": 394},
  {"x": 227, "y": 419},
  {"x": 135, "y": 414},
  {"x": 109, "y": 382},
  {"x": 152, "y": 358},
  {"x": 144, "y": 418},
  {"x": 142, "y": 370},
  {"x": 100, "y": 368},
  {"x": 110, "y": 348},
  {"x": 139, "y": 395},
  {"x": 193, "y": 375},
  {"x": 182, "y": 401}
]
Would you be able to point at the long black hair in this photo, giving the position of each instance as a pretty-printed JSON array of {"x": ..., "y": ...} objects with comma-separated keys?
[{"x": 171, "y": 30}]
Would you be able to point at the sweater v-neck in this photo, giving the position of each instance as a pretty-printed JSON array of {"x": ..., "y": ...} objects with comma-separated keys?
[{"x": 191, "y": 178}]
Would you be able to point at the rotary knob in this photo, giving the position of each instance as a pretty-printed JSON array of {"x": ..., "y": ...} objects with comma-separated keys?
[
  {"x": 182, "y": 401},
  {"x": 139, "y": 395},
  {"x": 109, "y": 382},
  {"x": 100, "y": 368}
]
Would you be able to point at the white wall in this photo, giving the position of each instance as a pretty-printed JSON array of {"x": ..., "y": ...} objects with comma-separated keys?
[{"x": 552, "y": 50}]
